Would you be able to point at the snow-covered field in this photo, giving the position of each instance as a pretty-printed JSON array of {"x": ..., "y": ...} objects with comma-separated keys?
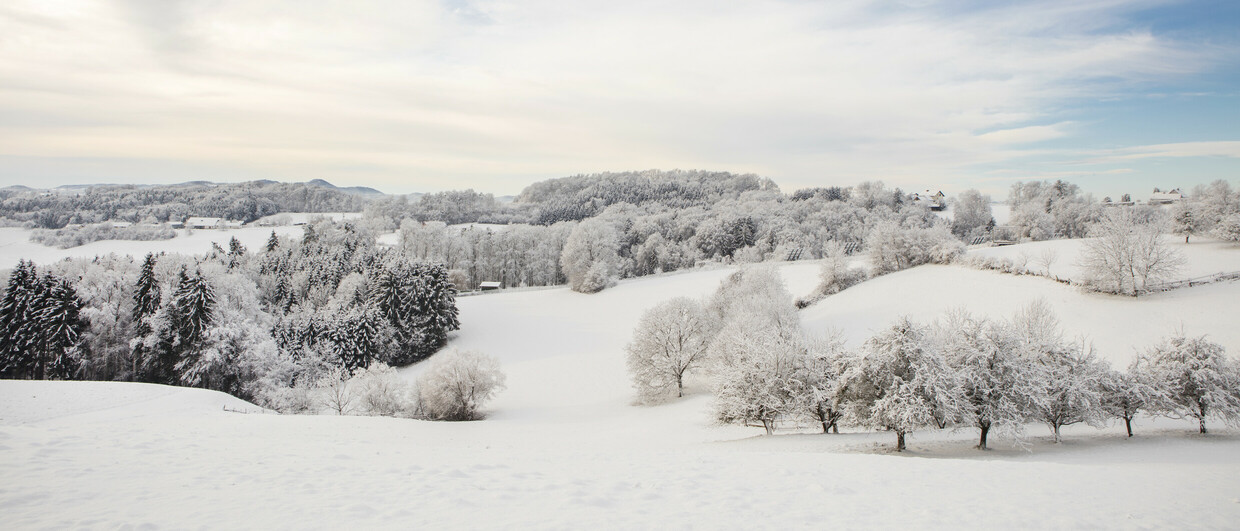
[
  {"x": 15, "y": 244},
  {"x": 565, "y": 449}
]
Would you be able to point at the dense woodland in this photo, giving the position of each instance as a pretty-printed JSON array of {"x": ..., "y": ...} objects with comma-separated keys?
[{"x": 159, "y": 204}]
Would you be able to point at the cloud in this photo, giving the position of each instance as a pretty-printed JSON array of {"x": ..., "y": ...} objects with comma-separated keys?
[
  {"x": 419, "y": 95},
  {"x": 1229, "y": 149}
]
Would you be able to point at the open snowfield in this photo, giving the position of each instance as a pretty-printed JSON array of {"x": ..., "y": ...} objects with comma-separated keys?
[
  {"x": 565, "y": 449},
  {"x": 15, "y": 244}
]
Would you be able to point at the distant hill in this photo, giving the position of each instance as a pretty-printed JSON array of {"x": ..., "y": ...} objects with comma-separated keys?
[{"x": 356, "y": 190}]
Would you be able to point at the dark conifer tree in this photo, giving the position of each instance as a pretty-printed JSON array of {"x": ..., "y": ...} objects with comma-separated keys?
[{"x": 16, "y": 353}]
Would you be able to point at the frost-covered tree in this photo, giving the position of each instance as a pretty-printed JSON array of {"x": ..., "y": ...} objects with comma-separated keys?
[
  {"x": 381, "y": 391},
  {"x": 817, "y": 382},
  {"x": 1228, "y": 229},
  {"x": 756, "y": 380},
  {"x": 995, "y": 375},
  {"x": 1125, "y": 394},
  {"x": 1070, "y": 380},
  {"x": 671, "y": 340},
  {"x": 901, "y": 383},
  {"x": 755, "y": 292},
  {"x": 456, "y": 384},
  {"x": 1183, "y": 221},
  {"x": 1198, "y": 379},
  {"x": 892, "y": 247},
  {"x": 971, "y": 214},
  {"x": 837, "y": 273},
  {"x": 590, "y": 258},
  {"x": 1126, "y": 253}
]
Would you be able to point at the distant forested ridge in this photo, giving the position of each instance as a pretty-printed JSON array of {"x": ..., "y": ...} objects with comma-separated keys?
[
  {"x": 583, "y": 196},
  {"x": 246, "y": 201}
]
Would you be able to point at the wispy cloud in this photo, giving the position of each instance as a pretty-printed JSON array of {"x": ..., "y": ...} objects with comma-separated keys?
[{"x": 418, "y": 95}]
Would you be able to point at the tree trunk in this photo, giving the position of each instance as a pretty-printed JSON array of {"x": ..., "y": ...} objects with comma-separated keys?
[
  {"x": 826, "y": 427},
  {"x": 1056, "y": 428},
  {"x": 835, "y": 427},
  {"x": 680, "y": 386},
  {"x": 899, "y": 440},
  {"x": 1202, "y": 422},
  {"x": 770, "y": 426},
  {"x": 981, "y": 444},
  {"x": 1128, "y": 424}
]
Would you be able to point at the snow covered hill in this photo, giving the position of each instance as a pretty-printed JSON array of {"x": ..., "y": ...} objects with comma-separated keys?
[
  {"x": 565, "y": 449},
  {"x": 15, "y": 244}
]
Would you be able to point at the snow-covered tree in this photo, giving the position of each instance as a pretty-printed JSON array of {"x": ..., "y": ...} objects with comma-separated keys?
[
  {"x": 671, "y": 340},
  {"x": 1126, "y": 253},
  {"x": 59, "y": 328},
  {"x": 381, "y": 391},
  {"x": 817, "y": 382},
  {"x": 901, "y": 383},
  {"x": 420, "y": 304},
  {"x": 836, "y": 274},
  {"x": 995, "y": 375},
  {"x": 16, "y": 309},
  {"x": 1228, "y": 229},
  {"x": 971, "y": 214},
  {"x": 457, "y": 383},
  {"x": 590, "y": 258},
  {"x": 1197, "y": 378},
  {"x": 40, "y": 324},
  {"x": 755, "y": 292},
  {"x": 1183, "y": 221},
  {"x": 756, "y": 378},
  {"x": 1069, "y": 380},
  {"x": 1125, "y": 394},
  {"x": 893, "y": 247}
]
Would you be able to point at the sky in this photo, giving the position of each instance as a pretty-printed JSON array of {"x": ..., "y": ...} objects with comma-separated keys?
[{"x": 422, "y": 96}]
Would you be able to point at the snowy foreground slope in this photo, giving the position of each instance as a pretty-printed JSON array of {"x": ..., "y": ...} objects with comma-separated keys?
[{"x": 564, "y": 449}]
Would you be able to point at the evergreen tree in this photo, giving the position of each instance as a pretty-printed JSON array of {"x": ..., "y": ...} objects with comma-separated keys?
[
  {"x": 194, "y": 300},
  {"x": 15, "y": 311},
  {"x": 419, "y": 303},
  {"x": 60, "y": 327},
  {"x": 147, "y": 294},
  {"x": 273, "y": 242},
  {"x": 235, "y": 252}
]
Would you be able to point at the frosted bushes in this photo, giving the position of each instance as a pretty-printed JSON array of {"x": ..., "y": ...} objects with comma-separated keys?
[
  {"x": 457, "y": 383},
  {"x": 454, "y": 386}
]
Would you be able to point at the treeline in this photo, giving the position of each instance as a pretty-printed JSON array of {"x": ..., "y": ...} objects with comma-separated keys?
[
  {"x": 627, "y": 240},
  {"x": 961, "y": 371},
  {"x": 163, "y": 203},
  {"x": 253, "y": 324}
]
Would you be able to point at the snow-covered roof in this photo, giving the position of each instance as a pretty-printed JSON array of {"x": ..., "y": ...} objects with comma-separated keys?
[
  {"x": 203, "y": 222},
  {"x": 489, "y": 284}
]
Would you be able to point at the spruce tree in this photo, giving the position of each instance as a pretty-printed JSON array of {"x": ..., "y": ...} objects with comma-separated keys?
[
  {"x": 273, "y": 242},
  {"x": 16, "y": 354},
  {"x": 60, "y": 327},
  {"x": 195, "y": 301}
]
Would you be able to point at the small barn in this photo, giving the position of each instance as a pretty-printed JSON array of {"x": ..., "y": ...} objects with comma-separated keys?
[
  {"x": 204, "y": 223},
  {"x": 489, "y": 285}
]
